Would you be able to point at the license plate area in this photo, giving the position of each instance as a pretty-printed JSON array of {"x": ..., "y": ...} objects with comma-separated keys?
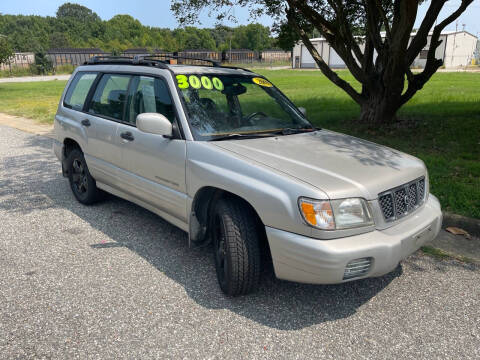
[
  {"x": 421, "y": 237},
  {"x": 412, "y": 243}
]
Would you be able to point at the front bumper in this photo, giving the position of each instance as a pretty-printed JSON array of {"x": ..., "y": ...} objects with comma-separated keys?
[{"x": 302, "y": 259}]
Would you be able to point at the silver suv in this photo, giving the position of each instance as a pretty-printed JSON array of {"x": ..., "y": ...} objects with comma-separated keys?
[{"x": 221, "y": 153}]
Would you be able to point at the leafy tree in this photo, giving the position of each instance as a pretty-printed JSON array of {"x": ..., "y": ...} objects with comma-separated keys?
[
  {"x": 78, "y": 26},
  {"x": 222, "y": 35},
  {"x": 6, "y": 50},
  {"x": 59, "y": 40},
  {"x": 78, "y": 12},
  {"x": 379, "y": 61},
  {"x": 43, "y": 64},
  {"x": 194, "y": 38},
  {"x": 252, "y": 36}
]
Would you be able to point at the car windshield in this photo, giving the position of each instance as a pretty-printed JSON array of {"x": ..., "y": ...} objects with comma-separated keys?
[{"x": 219, "y": 106}]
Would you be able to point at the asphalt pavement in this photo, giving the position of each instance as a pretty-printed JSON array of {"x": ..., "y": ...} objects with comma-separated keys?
[{"x": 116, "y": 281}]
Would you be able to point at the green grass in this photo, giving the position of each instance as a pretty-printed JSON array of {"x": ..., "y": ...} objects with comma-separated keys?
[
  {"x": 35, "y": 100},
  {"x": 442, "y": 255},
  {"x": 32, "y": 71},
  {"x": 440, "y": 125}
]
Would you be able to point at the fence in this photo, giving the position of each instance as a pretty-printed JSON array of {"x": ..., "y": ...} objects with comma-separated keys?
[
  {"x": 266, "y": 57},
  {"x": 75, "y": 57},
  {"x": 72, "y": 57}
]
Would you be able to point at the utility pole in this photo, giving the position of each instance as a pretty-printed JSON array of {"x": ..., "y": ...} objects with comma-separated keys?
[{"x": 454, "y": 38}]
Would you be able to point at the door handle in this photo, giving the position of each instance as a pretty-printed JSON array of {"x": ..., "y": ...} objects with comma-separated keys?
[
  {"x": 127, "y": 135},
  {"x": 86, "y": 123}
]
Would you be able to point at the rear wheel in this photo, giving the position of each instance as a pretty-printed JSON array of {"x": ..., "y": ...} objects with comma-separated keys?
[
  {"x": 81, "y": 182},
  {"x": 236, "y": 247}
]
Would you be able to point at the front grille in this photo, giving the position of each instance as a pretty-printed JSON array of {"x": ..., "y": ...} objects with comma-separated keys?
[
  {"x": 400, "y": 201},
  {"x": 357, "y": 268}
]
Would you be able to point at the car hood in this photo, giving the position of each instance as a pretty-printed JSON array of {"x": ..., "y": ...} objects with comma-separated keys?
[{"x": 339, "y": 165}]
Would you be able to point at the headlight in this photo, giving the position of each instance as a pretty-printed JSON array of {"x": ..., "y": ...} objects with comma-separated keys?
[{"x": 335, "y": 214}]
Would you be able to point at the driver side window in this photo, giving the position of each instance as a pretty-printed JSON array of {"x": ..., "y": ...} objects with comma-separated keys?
[{"x": 148, "y": 95}]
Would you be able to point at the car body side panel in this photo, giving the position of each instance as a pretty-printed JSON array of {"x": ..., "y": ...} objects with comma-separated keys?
[
  {"x": 66, "y": 122},
  {"x": 272, "y": 194},
  {"x": 153, "y": 169}
]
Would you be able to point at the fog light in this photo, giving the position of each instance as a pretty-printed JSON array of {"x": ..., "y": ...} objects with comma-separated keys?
[{"x": 357, "y": 268}]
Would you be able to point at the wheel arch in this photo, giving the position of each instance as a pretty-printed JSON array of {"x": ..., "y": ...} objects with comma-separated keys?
[
  {"x": 69, "y": 144},
  {"x": 202, "y": 209}
]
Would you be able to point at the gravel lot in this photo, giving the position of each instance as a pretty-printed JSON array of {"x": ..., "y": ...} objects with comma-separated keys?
[{"x": 116, "y": 281}]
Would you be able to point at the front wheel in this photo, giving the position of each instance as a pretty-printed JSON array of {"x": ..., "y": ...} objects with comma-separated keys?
[{"x": 236, "y": 247}]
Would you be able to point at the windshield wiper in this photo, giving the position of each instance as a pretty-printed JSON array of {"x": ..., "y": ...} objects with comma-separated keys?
[
  {"x": 290, "y": 131},
  {"x": 286, "y": 131},
  {"x": 241, "y": 136}
]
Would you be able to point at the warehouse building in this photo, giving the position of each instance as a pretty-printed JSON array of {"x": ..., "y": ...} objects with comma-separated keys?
[
  {"x": 18, "y": 60},
  {"x": 457, "y": 49}
]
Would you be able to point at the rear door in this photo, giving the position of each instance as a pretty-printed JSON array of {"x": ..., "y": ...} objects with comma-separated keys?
[
  {"x": 105, "y": 108},
  {"x": 153, "y": 167}
]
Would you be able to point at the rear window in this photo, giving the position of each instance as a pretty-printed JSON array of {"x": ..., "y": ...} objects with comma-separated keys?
[{"x": 78, "y": 90}]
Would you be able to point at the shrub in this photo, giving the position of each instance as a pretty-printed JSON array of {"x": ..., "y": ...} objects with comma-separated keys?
[{"x": 43, "y": 63}]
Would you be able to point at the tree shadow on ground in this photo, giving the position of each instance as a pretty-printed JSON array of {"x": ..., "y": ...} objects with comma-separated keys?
[{"x": 34, "y": 182}]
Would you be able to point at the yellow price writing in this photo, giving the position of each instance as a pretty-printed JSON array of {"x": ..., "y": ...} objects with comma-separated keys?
[{"x": 184, "y": 82}]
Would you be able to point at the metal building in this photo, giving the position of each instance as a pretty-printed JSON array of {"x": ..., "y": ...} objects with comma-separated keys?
[
  {"x": 18, "y": 60},
  {"x": 457, "y": 49}
]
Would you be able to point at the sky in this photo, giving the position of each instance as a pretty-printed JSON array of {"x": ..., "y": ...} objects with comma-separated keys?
[{"x": 157, "y": 12}]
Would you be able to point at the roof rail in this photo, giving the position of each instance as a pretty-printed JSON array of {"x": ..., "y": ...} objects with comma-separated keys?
[
  {"x": 214, "y": 63},
  {"x": 106, "y": 59},
  {"x": 237, "y": 68}
]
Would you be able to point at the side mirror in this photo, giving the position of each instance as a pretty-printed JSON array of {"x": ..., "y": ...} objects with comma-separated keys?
[
  {"x": 303, "y": 111},
  {"x": 154, "y": 123}
]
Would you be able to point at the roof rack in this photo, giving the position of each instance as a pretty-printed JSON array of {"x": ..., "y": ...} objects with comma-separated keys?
[
  {"x": 214, "y": 63},
  {"x": 107, "y": 59},
  {"x": 151, "y": 60}
]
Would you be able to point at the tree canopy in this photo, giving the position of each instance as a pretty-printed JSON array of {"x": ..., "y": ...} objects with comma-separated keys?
[
  {"x": 78, "y": 26},
  {"x": 5, "y": 49}
]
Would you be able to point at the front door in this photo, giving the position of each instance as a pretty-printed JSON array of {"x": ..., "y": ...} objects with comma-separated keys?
[{"x": 153, "y": 167}]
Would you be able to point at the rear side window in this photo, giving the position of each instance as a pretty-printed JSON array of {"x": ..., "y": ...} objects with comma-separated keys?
[
  {"x": 78, "y": 90},
  {"x": 110, "y": 96},
  {"x": 149, "y": 95}
]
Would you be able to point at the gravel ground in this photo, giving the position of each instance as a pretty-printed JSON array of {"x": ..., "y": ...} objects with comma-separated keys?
[{"x": 115, "y": 281}]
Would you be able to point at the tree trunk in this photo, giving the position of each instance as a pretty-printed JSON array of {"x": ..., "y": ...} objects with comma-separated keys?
[{"x": 378, "y": 109}]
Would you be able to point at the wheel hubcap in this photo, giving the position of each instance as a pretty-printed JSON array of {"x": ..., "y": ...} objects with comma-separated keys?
[
  {"x": 220, "y": 251},
  {"x": 79, "y": 176}
]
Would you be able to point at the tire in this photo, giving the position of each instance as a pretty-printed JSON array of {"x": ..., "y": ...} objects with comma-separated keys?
[
  {"x": 81, "y": 182},
  {"x": 236, "y": 247}
]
